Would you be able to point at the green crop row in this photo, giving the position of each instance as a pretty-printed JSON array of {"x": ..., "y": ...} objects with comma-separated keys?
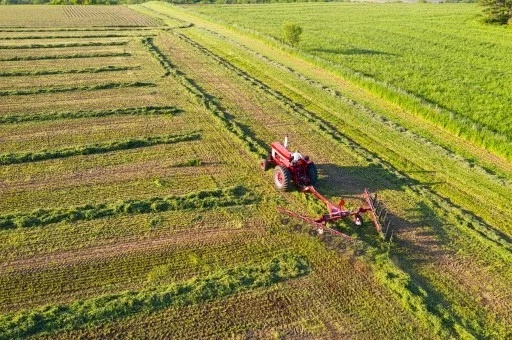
[
  {"x": 104, "y": 86},
  {"x": 97, "y": 310},
  {"x": 132, "y": 143},
  {"x": 70, "y": 56},
  {"x": 73, "y": 71},
  {"x": 204, "y": 99},
  {"x": 87, "y": 44},
  {"x": 145, "y": 110},
  {"x": 196, "y": 200}
]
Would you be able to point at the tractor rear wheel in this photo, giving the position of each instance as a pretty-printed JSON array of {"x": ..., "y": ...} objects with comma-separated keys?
[
  {"x": 282, "y": 178},
  {"x": 312, "y": 173}
]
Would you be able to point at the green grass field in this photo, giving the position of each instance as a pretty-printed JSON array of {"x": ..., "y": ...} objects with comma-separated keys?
[
  {"x": 437, "y": 59},
  {"x": 132, "y": 203}
]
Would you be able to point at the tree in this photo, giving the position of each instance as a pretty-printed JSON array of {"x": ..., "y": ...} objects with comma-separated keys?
[
  {"x": 497, "y": 11},
  {"x": 291, "y": 33}
]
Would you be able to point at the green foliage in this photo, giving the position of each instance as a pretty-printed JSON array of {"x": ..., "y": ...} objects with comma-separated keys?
[
  {"x": 291, "y": 33},
  {"x": 110, "y": 307},
  {"x": 421, "y": 67},
  {"x": 205, "y": 199},
  {"x": 497, "y": 11}
]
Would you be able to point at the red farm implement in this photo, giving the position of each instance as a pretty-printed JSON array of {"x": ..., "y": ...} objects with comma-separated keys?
[{"x": 293, "y": 168}]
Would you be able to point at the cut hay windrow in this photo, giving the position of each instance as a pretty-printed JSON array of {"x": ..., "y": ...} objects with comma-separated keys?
[
  {"x": 47, "y": 116},
  {"x": 91, "y": 149},
  {"x": 85, "y": 36},
  {"x": 205, "y": 199},
  {"x": 72, "y": 71},
  {"x": 104, "y": 86},
  {"x": 69, "y": 56},
  {"x": 64, "y": 45},
  {"x": 88, "y": 29},
  {"x": 106, "y": 308}
]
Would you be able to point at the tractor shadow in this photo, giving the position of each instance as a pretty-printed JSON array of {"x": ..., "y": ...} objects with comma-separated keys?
[
  {"x": 420, "y": 236},
  {"x": 419, "y": 232},
  {"x": 352, "y": 180}
]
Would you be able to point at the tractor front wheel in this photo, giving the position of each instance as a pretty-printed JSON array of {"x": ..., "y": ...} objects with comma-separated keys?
[{"x": 282, "y": 178}]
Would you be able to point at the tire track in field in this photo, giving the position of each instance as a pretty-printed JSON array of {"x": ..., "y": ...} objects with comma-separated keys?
[{"x": 468, "y": 219}]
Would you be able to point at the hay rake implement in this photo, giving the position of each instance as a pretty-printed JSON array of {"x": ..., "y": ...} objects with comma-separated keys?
[{"x": 293, "y": 168}]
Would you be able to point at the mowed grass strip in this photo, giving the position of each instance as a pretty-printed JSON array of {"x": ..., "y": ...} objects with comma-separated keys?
[
  {"x": 72, "y": 71},
  {"x": 69, "y": 56},
  {"x": 203, "y": 199},
  {"x": 132, "y": 143},
  {"x": 96, "y": 310},
  {"x": 104, "y": 86},
  {"x": 48, "y": 116},
  {"x": 87, "y": 44}
]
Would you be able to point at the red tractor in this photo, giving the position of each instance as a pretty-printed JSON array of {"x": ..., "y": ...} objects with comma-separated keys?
[{"x": 292, "y": 167}]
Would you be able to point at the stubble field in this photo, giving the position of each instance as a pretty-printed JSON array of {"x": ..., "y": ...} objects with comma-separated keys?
[{"x": 132, "y": 202}]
